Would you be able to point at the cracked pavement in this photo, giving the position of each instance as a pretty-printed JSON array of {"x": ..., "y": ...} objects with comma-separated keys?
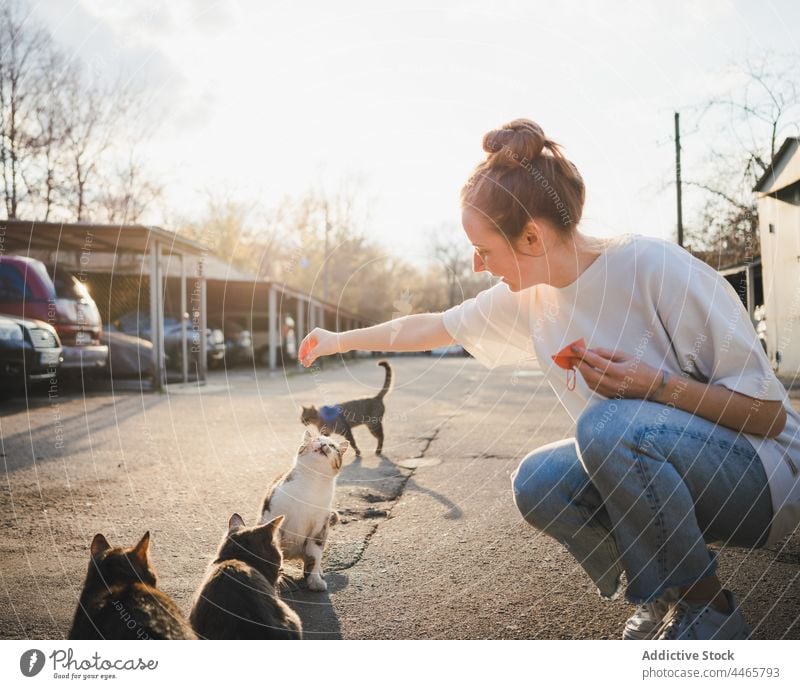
[{"x": 430, "y": 544}]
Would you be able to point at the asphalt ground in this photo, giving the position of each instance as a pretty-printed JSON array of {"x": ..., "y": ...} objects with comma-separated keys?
[{"x": 430, "y": 544}]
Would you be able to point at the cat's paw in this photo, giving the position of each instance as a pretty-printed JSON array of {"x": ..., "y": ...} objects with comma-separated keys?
[{"x": 316, "y": 582}]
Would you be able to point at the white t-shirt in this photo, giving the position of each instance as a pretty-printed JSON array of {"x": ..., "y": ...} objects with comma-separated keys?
[{"x": 655, "y": 301}]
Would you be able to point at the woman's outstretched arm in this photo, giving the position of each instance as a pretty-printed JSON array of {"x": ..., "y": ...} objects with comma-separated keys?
[{"x": 416, "y": 333}]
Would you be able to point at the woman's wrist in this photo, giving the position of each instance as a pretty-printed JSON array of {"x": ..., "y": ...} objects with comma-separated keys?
[
  {"x": 659, "y": 390},
  {"x": 343, "y": 342}
]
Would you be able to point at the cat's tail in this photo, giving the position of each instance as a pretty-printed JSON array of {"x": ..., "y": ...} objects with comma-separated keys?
[{"x": 387, "y": 383}]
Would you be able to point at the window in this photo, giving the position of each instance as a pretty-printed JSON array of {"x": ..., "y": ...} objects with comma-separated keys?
[
  {"x": 69, "y": 287},
  {"x": 12, "y": 284}
]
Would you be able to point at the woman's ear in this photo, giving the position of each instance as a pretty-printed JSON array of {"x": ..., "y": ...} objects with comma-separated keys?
[{"x": 531, "y": 239}]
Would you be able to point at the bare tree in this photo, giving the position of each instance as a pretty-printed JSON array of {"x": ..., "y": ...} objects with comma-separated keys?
[
  {"x": 50, "y": 183},
  {"x": 92, "y": 111},
  {"x": 21, "y": 52},
  {"x": 127, "y": 192},
  {"x": 62, "y": 132},
  {"x": 452, "y": 254},
  {"x": 226, "y": 227},
  {"x": 751, "y": 121},
  {"x": 287, "y": 243}
]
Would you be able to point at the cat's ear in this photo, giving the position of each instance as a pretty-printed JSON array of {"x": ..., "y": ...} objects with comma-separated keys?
[
  {"x": 344, "y": 446},
  {"x": 275, "y": 523},
  {"x": 235, "y": 523},
  {"x": 273, "y": 526},
  {"x": 141, "y": 548},
  {"x": 99, "y": 545}
]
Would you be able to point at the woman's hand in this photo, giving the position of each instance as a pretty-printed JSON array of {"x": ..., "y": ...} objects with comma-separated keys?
[
  {"x": 618, "y": 374},
  {"x": 318, "y": 343}
]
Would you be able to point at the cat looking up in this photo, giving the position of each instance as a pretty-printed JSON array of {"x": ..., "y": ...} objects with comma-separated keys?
[{"x": 304, "y": 495}]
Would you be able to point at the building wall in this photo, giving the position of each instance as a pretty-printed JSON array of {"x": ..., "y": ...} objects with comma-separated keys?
[{"x": 780, "y": 256}]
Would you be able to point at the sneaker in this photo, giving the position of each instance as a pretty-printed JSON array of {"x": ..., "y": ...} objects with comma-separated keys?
[
  {"x": 646, "y": 622},
  {"x": 699, "y": 621}
]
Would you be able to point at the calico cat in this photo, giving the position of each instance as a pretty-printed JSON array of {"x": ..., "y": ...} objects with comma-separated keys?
[
  {"x": 120, "y": 599},
  {"x": 238, "y": 598},
  {"x": 341, "y": 418},
  {"x": 304, "y": 495}
]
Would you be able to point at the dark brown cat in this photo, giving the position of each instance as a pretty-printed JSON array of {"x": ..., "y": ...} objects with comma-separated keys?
[
  {"x": 238, "y": 598},
  {"x": 341, "y": 418},
  {"x": 120, "y": 599}
]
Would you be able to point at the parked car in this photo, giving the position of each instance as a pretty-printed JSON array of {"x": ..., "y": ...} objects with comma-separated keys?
[
  {"x": 27, "y": 291},
  {"x": 238, "y": 344},
  {"x": 128, "y": 356},
  {"x": 137, "y": 324},
  {"x": 173, "y": 337},
  {"x": 29, "y": 351},
  {"x": 259, "y": 334}
]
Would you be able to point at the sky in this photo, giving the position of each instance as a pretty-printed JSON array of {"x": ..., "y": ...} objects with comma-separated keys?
[{"x": 257, "y": 100}]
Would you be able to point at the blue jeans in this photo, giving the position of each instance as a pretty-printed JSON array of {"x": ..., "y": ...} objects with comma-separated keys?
[{"x": 641, "y": 489}]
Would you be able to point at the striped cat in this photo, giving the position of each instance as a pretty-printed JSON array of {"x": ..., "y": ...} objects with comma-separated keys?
[{"x": 342, "y": 418}]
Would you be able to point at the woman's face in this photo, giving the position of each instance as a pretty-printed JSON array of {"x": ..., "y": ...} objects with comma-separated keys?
[{"x": 520, "y": 265}]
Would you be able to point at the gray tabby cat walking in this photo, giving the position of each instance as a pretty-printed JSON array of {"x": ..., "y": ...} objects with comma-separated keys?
[{"x": 342, "y": 418}]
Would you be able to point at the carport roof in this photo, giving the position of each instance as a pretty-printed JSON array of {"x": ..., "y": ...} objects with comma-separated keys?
[
  {"x": 23, "y": 236},
  {"x": 19, "y": 236}
]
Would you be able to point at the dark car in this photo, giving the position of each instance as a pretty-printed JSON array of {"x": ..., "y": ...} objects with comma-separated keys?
[
  {"x": 137, "y": 323},
  {"x": 128, "y": 356},
  {"x": 238, "y": 344},
  {"x": 173, "y": 339},
  {"x": 27, "y": 291},
  {"x": 29, "y": 351},
  {"x": 257, "y": 328}
]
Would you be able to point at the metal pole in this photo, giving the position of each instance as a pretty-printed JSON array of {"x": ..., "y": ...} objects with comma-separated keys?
[
  {"x": 162, "y": 284},
  {"x": 678, "y": 176},
  {"x": 184, "y": 344},
  {"x": 155, "y": 298},
  {"x": 273, "y": 328},
  {"x": 203, "y": 363}
]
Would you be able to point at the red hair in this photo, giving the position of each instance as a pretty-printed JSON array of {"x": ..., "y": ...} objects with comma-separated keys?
[{"x": 525, "y": 176}]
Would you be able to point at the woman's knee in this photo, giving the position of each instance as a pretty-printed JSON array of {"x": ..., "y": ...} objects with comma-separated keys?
[
  {"x": 542, "y": 482},
  {"x": 607, "y": 426}
]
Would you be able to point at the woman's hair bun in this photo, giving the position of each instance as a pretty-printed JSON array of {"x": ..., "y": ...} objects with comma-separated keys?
[
  {"x": 520, "y": 138},
  {"x": 524, "y": 175}
]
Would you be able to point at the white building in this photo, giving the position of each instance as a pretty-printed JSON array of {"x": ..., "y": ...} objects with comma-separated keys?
[{"x": 779, "y": 228}]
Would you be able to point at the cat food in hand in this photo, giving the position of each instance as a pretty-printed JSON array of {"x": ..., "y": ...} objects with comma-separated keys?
[
  {"x": 567, "y": 360},
  {"x": 306, "y": 346}
]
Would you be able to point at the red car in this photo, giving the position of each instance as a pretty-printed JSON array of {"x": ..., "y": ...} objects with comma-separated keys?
[{"x": 26, "y": 290}]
